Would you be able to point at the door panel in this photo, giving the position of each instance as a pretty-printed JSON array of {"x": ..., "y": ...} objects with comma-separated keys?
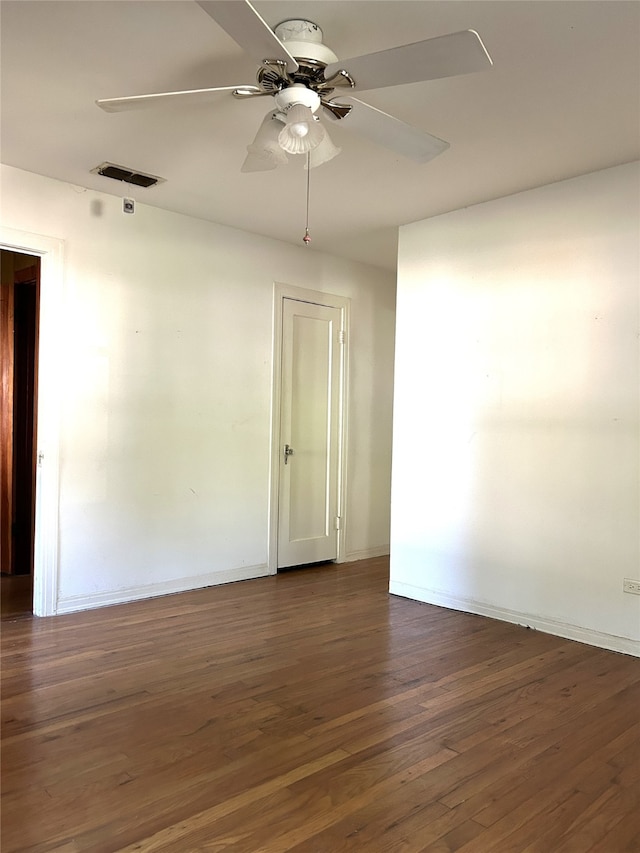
[
  {"x": 309, "y": 423},
  {"x": 19, "y": 322},
  {"x": 26, "y": 298},
  {"x": 6, "y": 421}
]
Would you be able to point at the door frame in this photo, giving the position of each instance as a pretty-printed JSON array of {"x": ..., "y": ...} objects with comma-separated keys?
[
  {"x": 45, "y": 562},
  {"x": 343, "y": 303}
]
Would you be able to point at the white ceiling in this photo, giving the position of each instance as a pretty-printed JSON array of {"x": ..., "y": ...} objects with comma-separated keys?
[{"x": 562, "y": 99}]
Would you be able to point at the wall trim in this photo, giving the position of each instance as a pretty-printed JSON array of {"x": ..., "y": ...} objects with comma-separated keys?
[
  {"x": 50, "y": 250},
  {"x": 75, "y": 603},
  {"x": 539, "y": 623},
  {"x": 367, "y": 553}
]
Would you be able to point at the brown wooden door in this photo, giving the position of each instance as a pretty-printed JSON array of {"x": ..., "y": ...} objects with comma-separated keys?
[{"x": 19, "y": 369}]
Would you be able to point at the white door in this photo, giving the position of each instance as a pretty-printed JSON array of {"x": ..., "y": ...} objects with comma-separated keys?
[{"x": 309, "y": 433}]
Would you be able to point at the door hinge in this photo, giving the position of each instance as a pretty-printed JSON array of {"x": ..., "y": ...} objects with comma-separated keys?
[
  {"x": 342, "y": 336},
  {"x": 338, "y": 522}
]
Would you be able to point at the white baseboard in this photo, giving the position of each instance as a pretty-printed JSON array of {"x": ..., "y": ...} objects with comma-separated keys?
[
  {"x": 74, "y": 603},
  {"x": 367, "y": 554},
  {"x": 539, "y": 623}
]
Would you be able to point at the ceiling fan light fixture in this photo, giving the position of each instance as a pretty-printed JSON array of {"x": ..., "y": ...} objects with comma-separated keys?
[
  {"x": 262, "y": 159},
  {"x": 301, "y": 132},
  {"x": 265, "y": 152},
  {"x": 322, "y": 153}
]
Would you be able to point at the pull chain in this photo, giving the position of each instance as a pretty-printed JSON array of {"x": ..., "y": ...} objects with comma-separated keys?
[{"x": 307, "y": 239}]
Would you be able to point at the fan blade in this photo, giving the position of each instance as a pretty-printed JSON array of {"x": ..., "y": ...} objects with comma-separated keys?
[
  {"x": 240, "y": 20},
  {"x": 444, "y": 56},
  {"x": 191, "y": 96},
  {"x": 390, "y": 132}
]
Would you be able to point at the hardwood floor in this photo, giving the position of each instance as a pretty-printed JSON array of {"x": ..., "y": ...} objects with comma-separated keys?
[{"x": 312, "y": 712}]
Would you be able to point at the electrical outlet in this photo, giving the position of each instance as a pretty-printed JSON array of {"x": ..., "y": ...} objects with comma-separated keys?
[{"x": 631, "y": 586}]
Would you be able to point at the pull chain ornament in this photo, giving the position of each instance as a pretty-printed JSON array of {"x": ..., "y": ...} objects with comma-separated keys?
[{"x": 307, "y": 239}]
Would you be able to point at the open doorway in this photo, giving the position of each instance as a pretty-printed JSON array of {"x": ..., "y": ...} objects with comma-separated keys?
[{"x": 20, "y": 280}]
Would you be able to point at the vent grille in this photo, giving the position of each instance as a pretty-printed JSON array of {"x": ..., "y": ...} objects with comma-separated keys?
[{"x": 129, "y": 176}]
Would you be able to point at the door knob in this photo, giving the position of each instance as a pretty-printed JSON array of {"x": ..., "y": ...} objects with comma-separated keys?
[{"x": 288, "y": 451}]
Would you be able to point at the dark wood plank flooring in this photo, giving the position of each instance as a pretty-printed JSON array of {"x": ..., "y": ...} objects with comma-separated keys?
[{"x": 312, "y": 712}]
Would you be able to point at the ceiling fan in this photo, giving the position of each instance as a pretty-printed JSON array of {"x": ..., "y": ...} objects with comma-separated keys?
[{"x": 302, "y": 75}]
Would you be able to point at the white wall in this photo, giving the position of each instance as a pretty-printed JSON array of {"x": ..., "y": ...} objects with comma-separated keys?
[
  {"x": 516, "y": 434},
  {"x": 166, "y": 338}
]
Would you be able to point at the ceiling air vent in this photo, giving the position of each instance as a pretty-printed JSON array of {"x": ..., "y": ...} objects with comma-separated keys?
[{"x": 129, "y": 176}]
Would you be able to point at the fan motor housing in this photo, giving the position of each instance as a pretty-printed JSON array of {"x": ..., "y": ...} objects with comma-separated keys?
[{"x": 303, "y": 40}]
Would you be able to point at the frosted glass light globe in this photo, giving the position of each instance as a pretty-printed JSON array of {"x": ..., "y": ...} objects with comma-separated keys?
[{"x": 301, "y": 132}]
